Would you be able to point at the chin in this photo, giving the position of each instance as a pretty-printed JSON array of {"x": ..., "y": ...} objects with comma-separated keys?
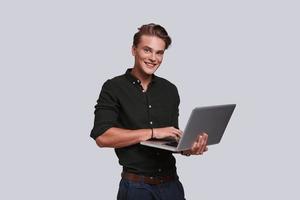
[{"x": 150, "y": 70}]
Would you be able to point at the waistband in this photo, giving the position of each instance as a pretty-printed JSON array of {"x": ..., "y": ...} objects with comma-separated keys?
[{"x": 152, "y": 180}]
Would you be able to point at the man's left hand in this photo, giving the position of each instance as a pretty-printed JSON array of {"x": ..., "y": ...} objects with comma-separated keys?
[{"x": 199, "y": 147}]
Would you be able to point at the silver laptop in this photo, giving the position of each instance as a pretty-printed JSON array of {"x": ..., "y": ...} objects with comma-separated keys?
[{"x": 211, "y": 120}]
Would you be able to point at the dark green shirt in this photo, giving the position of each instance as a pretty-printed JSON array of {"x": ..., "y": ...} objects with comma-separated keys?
[{"x": 123, "y": 103}]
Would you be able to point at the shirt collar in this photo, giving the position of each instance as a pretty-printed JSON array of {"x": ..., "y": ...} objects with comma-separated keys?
[{"x": 134, "y": 80}]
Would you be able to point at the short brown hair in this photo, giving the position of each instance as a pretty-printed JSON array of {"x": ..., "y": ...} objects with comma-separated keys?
[{"x": 152, "y": 30}]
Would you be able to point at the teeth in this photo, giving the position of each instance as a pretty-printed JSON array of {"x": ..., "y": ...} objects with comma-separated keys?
[{"x": 149, "y": 64}]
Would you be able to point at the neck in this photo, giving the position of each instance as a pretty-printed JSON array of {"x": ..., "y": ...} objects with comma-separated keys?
[{"x": 144, "y": 78}]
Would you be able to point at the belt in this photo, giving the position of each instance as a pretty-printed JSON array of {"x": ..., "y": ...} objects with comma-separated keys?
[{"x": 153, "y": 180}]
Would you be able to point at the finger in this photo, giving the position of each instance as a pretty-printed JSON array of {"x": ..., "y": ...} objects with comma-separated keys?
[
  {"x": 194, "y": 148},
  {"x": 178, "y": 134},
  {"x": 172, "y": 133},
  {"x": 198, "y": 150},
  {"x": 199, "y": 138},
  {"x": 202, "y": 144},
  {"x": 206, "y": 140},
  {"x": 206, "y": 137},
  {"x": 205, "y": 143}
]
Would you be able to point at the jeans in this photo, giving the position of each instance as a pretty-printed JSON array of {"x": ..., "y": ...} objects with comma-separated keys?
[{"x": 129, "y": 190}]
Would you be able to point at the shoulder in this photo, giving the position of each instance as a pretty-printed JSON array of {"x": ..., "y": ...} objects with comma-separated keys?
[
  {"x": 112, "y": 86},
  {"x": 114, "y": 82},
  {"x": 166, "y": 83}
]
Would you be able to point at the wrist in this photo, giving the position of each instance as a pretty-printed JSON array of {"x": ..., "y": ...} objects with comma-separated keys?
[
  {"x": 147, "y": 134},
  {"x": 152, "y": 133}
]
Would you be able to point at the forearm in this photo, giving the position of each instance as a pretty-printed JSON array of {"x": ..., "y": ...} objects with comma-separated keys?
[{"x": 118, "y": 137}]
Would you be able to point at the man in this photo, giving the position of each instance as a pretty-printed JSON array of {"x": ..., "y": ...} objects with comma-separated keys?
[{"x": 139, "y": 106}]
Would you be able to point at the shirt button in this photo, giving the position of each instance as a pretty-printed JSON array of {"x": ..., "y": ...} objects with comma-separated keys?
[
  {"x": 133, "y": 82},
  {"x": 150, "y": 106},
  {"x": 151, "y": 122},
  {"x": 159, "y": 170}
]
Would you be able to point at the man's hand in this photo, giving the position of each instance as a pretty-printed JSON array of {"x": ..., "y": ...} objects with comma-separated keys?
[
  {"x": 199, "y": 146},
  {"x": 167, "y": 132}
]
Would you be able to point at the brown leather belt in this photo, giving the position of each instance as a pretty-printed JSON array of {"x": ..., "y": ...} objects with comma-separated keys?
[{"x": 153, "y": 180}]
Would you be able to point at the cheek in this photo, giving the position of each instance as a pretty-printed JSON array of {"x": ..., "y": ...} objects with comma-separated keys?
[
  {"x": 160, "y": 59},
  {"x": 142, "y": 56}
]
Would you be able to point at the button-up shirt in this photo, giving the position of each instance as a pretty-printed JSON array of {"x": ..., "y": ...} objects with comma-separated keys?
[{"x": 124, "y": 104}]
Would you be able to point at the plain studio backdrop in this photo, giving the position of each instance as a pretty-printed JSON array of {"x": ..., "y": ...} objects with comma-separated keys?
[{"x": 55, "y": 56}]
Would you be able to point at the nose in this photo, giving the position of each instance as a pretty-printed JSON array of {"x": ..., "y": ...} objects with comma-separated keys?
[{"x": 152, "y": 57}]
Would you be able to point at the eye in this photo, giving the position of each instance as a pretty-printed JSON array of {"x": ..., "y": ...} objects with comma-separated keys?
[{"x": 147, "y": 50}]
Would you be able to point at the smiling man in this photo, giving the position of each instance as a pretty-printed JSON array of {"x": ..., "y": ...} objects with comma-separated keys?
[{"x": 139, "y": 106}]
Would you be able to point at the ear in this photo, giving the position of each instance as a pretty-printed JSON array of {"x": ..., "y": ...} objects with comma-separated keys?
[{"x": 133, "y": 50}]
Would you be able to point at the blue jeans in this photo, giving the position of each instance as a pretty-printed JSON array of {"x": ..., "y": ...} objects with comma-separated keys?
[{"x": 129, "y": 190}]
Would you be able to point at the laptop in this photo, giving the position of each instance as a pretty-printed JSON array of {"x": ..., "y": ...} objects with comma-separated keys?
[{"x": 212, "y": 120}]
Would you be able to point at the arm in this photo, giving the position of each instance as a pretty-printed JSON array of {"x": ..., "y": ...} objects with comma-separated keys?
[{"x": 119, "y": 137}]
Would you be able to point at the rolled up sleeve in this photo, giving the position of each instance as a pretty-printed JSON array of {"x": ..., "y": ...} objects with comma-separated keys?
[{"x": 106, "y": 110}]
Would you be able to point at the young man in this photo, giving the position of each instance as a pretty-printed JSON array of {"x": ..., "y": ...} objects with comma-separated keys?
[{"x": 138, "y": 106}]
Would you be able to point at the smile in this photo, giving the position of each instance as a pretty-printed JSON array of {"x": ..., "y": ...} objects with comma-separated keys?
[{"x": 150, "y": 64}]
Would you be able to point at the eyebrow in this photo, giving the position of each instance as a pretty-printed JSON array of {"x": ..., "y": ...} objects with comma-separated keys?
[{"x": 161, "y": 50}]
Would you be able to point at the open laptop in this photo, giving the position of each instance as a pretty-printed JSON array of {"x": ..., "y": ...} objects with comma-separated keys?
[{"x": 212, "y": 120}]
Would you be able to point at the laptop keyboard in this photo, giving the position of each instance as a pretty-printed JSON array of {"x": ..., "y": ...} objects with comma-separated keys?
[{"x": 172, "y": 143}]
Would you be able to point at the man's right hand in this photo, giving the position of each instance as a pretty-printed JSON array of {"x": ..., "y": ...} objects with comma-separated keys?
[{"x": 167, "y": 132}]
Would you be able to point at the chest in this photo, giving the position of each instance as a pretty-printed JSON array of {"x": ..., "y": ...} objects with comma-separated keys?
[{"x": 156, "y": 107}]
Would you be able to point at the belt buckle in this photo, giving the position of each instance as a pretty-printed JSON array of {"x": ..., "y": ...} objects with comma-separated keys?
[
  {"x": 156, "y": 180},
  {"x": 153, "y": 179}
]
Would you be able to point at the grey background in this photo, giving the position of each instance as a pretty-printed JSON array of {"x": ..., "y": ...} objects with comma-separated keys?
[{"x": 55, "y": 56}]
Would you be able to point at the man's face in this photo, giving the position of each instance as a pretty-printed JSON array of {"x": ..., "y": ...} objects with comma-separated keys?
[{"x": 148, "y": 54}]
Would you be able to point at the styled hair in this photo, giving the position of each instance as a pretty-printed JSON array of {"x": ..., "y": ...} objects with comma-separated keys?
[{"x": 152, "y": 30}]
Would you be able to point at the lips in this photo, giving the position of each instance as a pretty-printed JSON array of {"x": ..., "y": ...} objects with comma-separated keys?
[{"x": 150, "y": 64}]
